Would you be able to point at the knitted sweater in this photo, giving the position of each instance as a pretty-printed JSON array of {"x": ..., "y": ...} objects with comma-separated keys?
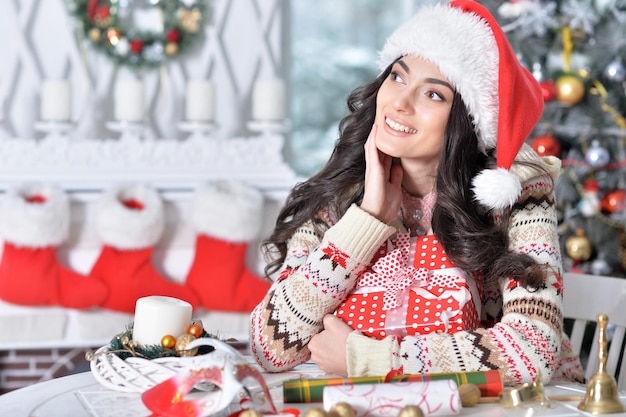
[{"x": 319, "y": 273}]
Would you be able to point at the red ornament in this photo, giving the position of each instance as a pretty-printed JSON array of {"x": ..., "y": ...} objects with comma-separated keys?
[
  {"x": 172, "y": 35},
  {"x": 548, "y": 90},
  {"x": 546, "y": 145},
  {"x": 136, "y": 46},
  {"x": 101, "y": 15},
  {"x": 613, "y": 201}
]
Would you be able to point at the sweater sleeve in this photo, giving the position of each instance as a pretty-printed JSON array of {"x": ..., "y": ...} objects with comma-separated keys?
[
  {"x": 527, "y": 338},
  {"x": 315, "y": 278}
]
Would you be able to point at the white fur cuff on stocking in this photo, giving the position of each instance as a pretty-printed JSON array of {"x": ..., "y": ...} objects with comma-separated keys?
[{"x": 230, "y": 211}]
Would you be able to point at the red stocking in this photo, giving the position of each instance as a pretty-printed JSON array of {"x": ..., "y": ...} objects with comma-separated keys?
[
  {"x": 226, "y": 217},
  {"x": 34, "y": 221},
  {"x": 130, "y": 222}
]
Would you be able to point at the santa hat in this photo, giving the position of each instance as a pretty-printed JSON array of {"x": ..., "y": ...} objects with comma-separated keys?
[{"x": 464, "y": 40}]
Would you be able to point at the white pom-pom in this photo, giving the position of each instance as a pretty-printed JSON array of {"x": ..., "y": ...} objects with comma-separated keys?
[{"x": 496, "y": 188}]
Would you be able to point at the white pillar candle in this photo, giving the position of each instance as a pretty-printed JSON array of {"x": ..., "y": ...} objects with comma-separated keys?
[
  {"x": 200, "y": 97},
  {"x": 128, "y": 101},
  {"x": 268, "y": 100},
  {"x": 56, "y": 101},
  {"x": 158, "y": 316}
]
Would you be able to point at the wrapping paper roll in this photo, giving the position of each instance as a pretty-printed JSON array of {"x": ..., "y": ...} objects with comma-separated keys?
[
  {"x": 435, "y": 398},
  {"x": 312, "y": 390}
]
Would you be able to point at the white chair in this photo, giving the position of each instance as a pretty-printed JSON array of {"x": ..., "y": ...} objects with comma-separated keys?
[{"x": 586, "y": 296}]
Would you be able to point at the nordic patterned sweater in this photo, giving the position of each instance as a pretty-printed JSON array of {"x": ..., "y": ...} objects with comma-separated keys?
[{"x": 320, "y": 272}]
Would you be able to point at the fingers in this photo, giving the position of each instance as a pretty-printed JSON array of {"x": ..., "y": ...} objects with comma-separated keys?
[{"x": 370, "y": 145}]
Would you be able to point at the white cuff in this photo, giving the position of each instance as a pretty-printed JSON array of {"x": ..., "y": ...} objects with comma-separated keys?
[
  {"x": 227, "y": 210},
  {"x": 35, "y": 215},
  {"x": 130, "y": 217}
]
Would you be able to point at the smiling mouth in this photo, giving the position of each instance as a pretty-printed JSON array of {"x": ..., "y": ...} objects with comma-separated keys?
[{"x": 399, "y": 127}]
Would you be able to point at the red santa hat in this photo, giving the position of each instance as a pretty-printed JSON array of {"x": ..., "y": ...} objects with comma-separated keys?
[{"x": 464, "y": 40}]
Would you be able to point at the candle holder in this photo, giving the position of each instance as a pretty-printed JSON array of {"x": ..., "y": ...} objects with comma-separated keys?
[
  {"x": 54, "y": 129},
  {"x": 198, "y": 130},
  {"x": 128, "y": 131},
  {"x": 269, "y": 127}
]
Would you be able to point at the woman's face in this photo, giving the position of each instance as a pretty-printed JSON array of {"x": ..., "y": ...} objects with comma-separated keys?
[{"x": 412, "y": 110}]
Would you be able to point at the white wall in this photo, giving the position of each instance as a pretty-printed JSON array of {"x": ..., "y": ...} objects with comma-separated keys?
[{"x": 244, "y": 43}]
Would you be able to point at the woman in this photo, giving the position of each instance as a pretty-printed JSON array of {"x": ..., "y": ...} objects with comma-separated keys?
[{"x": 428, "y": 242}]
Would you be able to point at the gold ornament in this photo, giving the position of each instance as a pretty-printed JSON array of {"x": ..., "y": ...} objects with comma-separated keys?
[
  {"x": 95, "y": 34},
  {"x": 342, "y": 409},
  {"x": 570, "y": 89},
  {"x": 189, "y": 19},
  {"x": 168, "y": 341},
  {"x": 315, "y": 412},
  {"x": 411, "y": 411},
  {"x": 171, "y": 48},
  {"x": 578, "y": 246},
  {"x": 181, "y": 344},
  {"x": 195, "y": 330},
  {"x": 470, "y": 394}
]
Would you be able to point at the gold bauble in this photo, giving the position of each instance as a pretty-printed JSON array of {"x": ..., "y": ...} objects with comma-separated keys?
[
  {"x": 95, "y": 34},
  {"x": 171, "y": 48},
  {"x": 411, "y": 411},
  {"x": 470, "y": 394},
  {"x": 168, "y": 341},
  {"x": 570, "y": 89},
  {"x": 342, "y": 409},
  {"x": 578, "y": 246},
  {"x": 315, "y": 412},
  {"x": 181, "y": 345}
]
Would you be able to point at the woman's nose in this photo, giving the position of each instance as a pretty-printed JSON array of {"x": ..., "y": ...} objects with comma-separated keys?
[{"x": 403, "y": 102}]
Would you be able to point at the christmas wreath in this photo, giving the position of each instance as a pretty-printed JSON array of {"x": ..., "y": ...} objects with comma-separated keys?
[{"x": 112, "y": 27}]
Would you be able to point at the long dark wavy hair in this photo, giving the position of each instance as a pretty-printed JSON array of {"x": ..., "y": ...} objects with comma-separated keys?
[{"x": 467, "y": 231}]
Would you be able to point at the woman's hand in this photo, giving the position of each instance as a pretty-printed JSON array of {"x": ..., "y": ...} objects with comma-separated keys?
[
  {"x": 383, "y": 182},
  {"x": 328, "y": 347}
]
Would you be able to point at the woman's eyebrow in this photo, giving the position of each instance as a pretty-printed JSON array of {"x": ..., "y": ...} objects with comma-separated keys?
[
  {"x": 440, "y": 82},
  {"x": 404, "y": 66},
  {"x": 428, "y": 80}
]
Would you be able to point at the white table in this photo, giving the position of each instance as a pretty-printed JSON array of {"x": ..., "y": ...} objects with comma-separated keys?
[{"x": 80, "y": 395}]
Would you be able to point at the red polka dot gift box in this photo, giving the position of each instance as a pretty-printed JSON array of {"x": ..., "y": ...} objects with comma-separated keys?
[{"x": 397, "y": 297}]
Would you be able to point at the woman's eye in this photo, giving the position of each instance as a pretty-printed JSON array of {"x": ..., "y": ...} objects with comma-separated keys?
[
  {"x": 395, "y": 77},
  {"x": 436, "y": 96}
]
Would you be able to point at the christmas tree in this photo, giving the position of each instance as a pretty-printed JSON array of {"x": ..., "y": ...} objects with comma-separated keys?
[{"x": 576, "y": 49}]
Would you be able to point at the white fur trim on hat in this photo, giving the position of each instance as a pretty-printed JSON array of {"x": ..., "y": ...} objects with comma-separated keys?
[
  {"x": 496, "y": 188},
  {"x": 462, "y": 45},
  {"x": 35, "y": 224},
  {"x": 127, "y": 228},
  {"x": 230, "y": 211}
]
